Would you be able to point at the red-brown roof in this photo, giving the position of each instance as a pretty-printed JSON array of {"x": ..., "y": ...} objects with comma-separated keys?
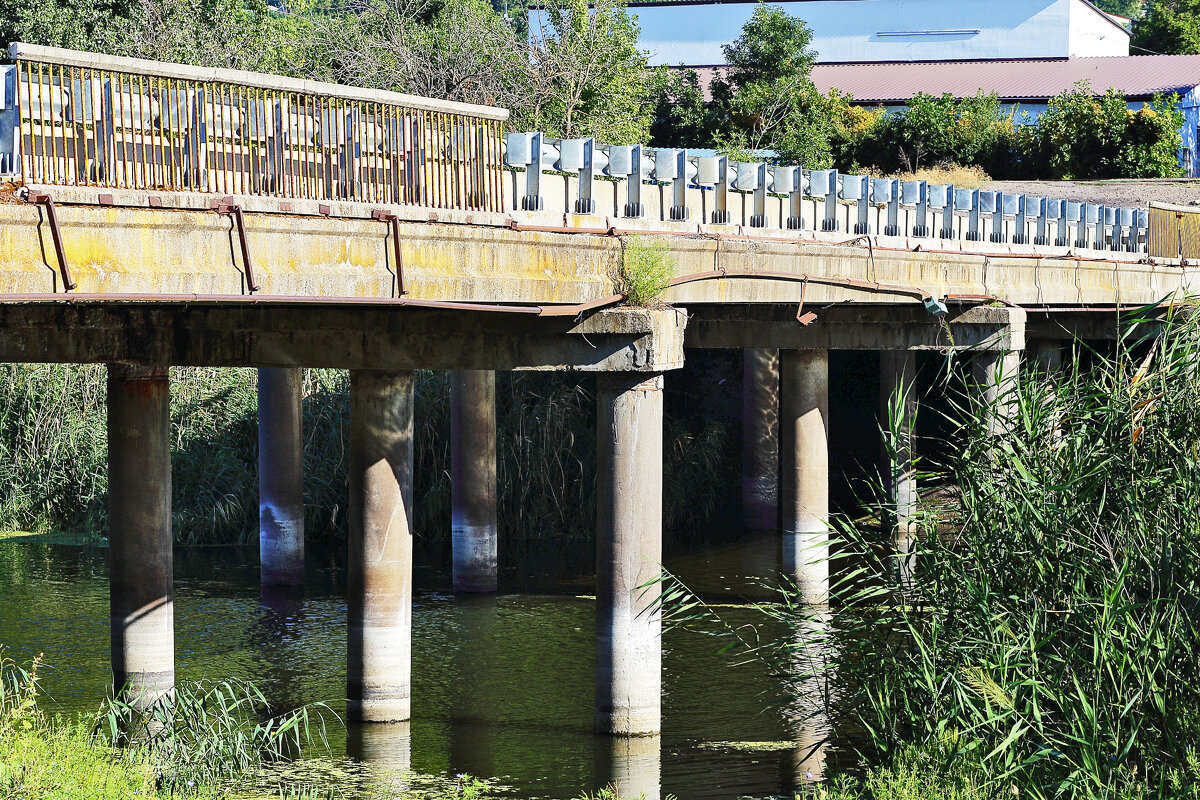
[
  {"x": 1136, "y": 76},
  {"x": 1023, "y": 80}
]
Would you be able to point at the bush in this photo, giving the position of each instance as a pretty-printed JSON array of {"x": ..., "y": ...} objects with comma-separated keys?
[{"x": 646, "y": 269}]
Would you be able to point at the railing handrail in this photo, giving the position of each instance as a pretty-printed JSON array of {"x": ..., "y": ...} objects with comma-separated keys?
[{"x": 20, "y": 51}]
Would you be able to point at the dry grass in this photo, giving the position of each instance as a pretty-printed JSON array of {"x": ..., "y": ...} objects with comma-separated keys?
[{"x": 971, "y": 177}]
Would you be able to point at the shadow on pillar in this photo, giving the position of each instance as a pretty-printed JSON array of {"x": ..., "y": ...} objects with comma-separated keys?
[
  {"x": 473, "y": 479},
  {"x": 631, "y": 765},
  {"x": 280, "y": 477},
  {"x": 804, "y": 424},
  {"x": 760, "y": 440}
]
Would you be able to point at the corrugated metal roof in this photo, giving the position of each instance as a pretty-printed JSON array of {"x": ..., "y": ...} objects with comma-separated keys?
[{"x": 1136, "y": 76}]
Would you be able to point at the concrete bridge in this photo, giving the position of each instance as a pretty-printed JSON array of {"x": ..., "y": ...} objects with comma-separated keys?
[{"x": 165, "y": 215}]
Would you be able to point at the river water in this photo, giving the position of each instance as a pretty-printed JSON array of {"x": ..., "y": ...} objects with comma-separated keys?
[{"x": 502, "y": 686}]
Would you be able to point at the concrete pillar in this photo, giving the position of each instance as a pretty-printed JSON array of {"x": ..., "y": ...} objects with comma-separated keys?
[
  {"x": 473, "y": 479},
  {"x": 280, "y": 478},
  {"x": 629, "y": 409},
  {"x": 897, "y": 419},
  {"x": 379, "y": 566},
  {"x": 995, "y": 375},
  {"x": 804, "y": 422},
  {"x": 760, "y": 439},
  {"x": 141, "y": 600}
]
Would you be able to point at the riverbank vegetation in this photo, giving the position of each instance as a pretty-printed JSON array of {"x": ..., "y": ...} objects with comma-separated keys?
[{"x": 1046, "y": 639}]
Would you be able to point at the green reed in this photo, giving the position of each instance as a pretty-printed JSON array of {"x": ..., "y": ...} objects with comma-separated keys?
[{"x": 1051, "y": 625}]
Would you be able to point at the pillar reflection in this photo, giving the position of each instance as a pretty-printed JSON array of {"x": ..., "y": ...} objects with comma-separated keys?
[
  {"x": 385, "y": 747},
  {"x": 631, "y": 765}
]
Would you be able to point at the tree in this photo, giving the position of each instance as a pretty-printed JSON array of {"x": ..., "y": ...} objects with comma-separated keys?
[
  {"x": 589, "y": 77},
  {"x": 1122, "y": 8},
  {"x": 1169, "y": 26},
  {"x": 767, "y": 98},
  {"x": 682, "y": 117}
]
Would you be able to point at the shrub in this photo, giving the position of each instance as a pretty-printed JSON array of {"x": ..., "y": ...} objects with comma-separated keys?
[{"x": 646, "y": 269}]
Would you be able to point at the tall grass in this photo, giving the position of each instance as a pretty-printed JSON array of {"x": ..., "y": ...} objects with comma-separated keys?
[{"x": 1050, "y": 626}]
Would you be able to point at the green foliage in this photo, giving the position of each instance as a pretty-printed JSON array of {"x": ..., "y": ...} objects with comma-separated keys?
[
  {"x": 1122, "y": 8},
  {"x": 211, "y": 734},
  {"x": 767, "y": 100},
  {"x": 943, "y": 130},
  {"x": 682, "y": 118},
  {"x": 590, "y": 78},
  {"x": 1083, "y": 136},
  {"x": 646, "y": 269},
  {"x": 1047, "y": 633},
  {"x": 1168, "y": 26}
]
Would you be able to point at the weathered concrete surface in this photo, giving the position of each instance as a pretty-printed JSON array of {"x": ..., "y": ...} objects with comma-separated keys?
[
  {"x": 285, "y": 334},
  {"x": 141, "y": 599},
  {"x": 280, "y": 477},
  {"x": 804, "y": 421},
  {"x": 760, "y": 439},
  {"x": 1046, "y": 354},
  {"x": 379, "y": 566},
  {"x": 149, "y": 250},
  {"x": 995, "y": 376},
  {"x": 473, "y": 480},
  {"x": 856, "y": 327},
  {"x": 629, "y": 411}
]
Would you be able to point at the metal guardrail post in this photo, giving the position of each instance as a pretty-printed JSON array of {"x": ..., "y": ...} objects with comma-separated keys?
[{"x": 759, "y": 218}]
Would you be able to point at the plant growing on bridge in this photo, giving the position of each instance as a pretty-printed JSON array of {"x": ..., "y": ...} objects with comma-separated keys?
[{"x": 646, "y": 269}]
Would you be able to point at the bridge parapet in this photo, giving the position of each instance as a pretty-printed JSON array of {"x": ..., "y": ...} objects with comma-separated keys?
[
  {"x": 83, "y": 119},
  {"x": 632, "y": 182}
]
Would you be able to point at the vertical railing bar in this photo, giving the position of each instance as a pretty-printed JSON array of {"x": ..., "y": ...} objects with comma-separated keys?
[
  {"x": 60, "y": 162},
  {"x": 143, "y": 102},
  {"x": 42, "y": 96},
  {"x": 87, "y": 112}
]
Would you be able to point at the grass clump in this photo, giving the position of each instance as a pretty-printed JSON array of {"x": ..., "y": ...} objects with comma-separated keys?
[{"x": 646, "y": 269}]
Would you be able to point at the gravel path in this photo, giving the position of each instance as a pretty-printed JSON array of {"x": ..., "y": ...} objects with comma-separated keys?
[{"x": 1182, "y": 192}]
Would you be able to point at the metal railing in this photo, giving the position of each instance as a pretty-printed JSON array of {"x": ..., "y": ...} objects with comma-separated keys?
[
  {"x": 82, "y": 119},
  {"x": 673, "y": 185}
]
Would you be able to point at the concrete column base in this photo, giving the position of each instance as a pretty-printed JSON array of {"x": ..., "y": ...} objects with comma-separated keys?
[
  {"x": 379, "y": 566},
  {"x": 140, "y": 560},
  {"x": 473, "y": 479},
  {"x": 629, "y": 409},
  {"x": 804, "y": 422}
]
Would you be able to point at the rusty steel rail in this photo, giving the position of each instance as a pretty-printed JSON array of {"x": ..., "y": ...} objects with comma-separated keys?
[{"x": 83, "y": 119}]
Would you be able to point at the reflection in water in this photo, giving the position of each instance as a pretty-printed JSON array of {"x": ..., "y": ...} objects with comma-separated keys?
[
  {"x": 502, "y": 685},
  {"x": 387, "y": 748},
  {"x": 812, "y": 669},
  {"x": 474, "y": 661},
  {"x": 632, "y": 765}
]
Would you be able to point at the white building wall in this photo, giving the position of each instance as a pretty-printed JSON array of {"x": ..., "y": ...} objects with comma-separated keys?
[
  {"x": 890, "y": 30},
  {"x": 1093, "y": 35}
]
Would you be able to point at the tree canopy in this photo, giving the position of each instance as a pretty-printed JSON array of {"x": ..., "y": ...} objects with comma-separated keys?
[{"x": 1169, "y": 26}]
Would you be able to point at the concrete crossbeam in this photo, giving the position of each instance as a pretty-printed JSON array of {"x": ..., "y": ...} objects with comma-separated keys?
[
  {"x": 279, "y": 334},
  {"x": 865, "y": 327}
]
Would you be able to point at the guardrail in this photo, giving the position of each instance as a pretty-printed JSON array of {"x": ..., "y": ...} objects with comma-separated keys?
[
  {"x": 579, "y": 176},
  {"x": 83, "y": 119}
]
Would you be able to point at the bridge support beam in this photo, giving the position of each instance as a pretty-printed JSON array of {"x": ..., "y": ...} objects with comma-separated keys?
[
  {"x": 629, "y": 408},
  {"x": 804, "y": 379},
  {"x": 379, "y": 566},
  {"x": 473, "y": 479},
  {"x": 140, "y": 563},
  {"x": 760, "y": 439},
  {"x": 280, "y": 478},
  {"x": 898, "y": 416}
]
